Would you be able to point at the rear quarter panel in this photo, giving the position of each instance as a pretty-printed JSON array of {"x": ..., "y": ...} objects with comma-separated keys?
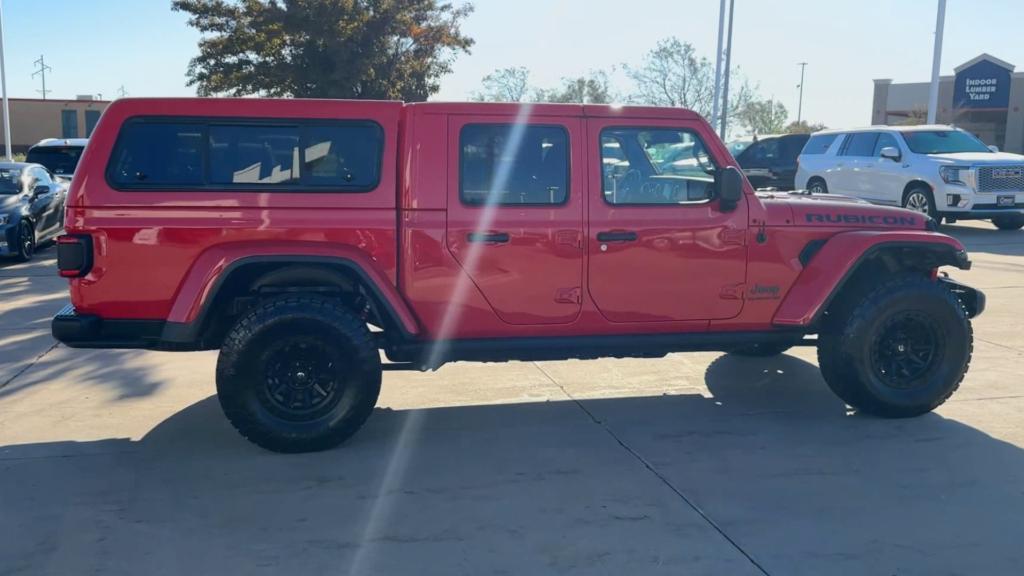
[{"x": 147, "y": 242}]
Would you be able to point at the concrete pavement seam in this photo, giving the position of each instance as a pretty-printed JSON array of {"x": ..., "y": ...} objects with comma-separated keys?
[
  {"x": 650, "y": 468},
  {"x": 999, "y": 345},
  {"x": 29, "y": 365}
]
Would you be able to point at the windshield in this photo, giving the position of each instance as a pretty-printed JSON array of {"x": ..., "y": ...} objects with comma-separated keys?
[
  {"x": 10, "y": 181},
  {"x": 60, "y": 160},
  {"x": 943, "y": 142}
]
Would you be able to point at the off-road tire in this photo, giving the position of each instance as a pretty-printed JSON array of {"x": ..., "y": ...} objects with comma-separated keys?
[
  {"x": 296, "y": 335},
  {"x": 817, "y": 185},
  {"x": 921, "y": 200},
  {"x": 26, "y": 248},
  {"x": 761, "y": 350},
  {"x": 851, "y": 341},
  {"x": 1012, "y": 222}
]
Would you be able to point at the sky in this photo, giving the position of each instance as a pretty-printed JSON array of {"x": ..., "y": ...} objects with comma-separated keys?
[{"x": 97, "y": 46}]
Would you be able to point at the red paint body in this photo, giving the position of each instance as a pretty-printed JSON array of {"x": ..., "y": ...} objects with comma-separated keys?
[{"x": 158, "y": 254}]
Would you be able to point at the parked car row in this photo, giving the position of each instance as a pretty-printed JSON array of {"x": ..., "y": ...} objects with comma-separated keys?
[
  {"x": 33, "y": 194},
  {"x": 944, "y": 172}
]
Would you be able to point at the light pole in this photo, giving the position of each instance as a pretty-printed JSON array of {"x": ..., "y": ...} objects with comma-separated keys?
[
  {"x": 933, "y": 90},
  {"x": 725, "y": 84},
  {"x": 3, "y": 87},
  {"x": 718, "y": 64},
  {"x": 800, "y": 105}
]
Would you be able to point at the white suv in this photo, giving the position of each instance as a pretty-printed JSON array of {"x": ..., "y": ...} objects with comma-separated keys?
[{"x": 942, "y": 171}]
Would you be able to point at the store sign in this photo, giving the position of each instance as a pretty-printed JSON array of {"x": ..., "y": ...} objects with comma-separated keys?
[{"x": 982, "y": 85}]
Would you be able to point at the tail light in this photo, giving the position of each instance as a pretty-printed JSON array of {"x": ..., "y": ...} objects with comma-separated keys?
[{"x": 74, "y": 255}]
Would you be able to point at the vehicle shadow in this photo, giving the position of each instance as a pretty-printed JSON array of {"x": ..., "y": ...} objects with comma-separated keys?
[
  {"x": 534, "y": 488},
  {"x": 989, "y": 240}
]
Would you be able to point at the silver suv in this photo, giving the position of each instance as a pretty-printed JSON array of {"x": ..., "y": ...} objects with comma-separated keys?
[{"x": 941, "y": 171}]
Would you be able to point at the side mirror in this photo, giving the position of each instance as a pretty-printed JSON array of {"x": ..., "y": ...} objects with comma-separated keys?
[
  {"x": 40, "y": 190},
  {"x": 730, "y": 188},
  {"x": 994, "y": 148},
  {"x": 891, "y": 153}
]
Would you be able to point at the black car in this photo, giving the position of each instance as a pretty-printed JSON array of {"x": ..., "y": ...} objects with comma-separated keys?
[
  {"x": 770, "y": 162},
  {"x": 31, "y": 208}
]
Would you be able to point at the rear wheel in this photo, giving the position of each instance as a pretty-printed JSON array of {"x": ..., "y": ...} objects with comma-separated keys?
[
  {"x": 900, "y": 350},
  {"x": 1014, "y": 222},
  {"x": 817, "y": 186},
  {"x": 920, "y": 199},
  {"x": 26, "y": 241},
  {"x": 298, "y": 374}
]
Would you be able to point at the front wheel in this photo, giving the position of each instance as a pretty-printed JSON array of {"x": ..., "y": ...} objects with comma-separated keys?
[
  {"x": 26, "y": 241},
  {"x": 920, "y": 199},
  {"x": 1013, "y": 222},
  {"x": 817, "y": 186},
  {"x": 901, "y": 351},
  {"x": 298, "y": 374}
]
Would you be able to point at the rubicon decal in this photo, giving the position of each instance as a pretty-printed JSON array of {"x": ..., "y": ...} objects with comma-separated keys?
[{"x": 871, "y": 219}]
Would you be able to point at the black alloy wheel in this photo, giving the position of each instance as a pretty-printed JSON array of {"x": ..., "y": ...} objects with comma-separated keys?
[{"x": 905, "y": 350}]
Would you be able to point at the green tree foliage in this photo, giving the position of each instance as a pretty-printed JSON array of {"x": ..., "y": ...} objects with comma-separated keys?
[
  {"x": 505, "y": 85},
  {"x": 763, "y": 116},
  {"x": 802, "y": 127},
  {"x": 367, "y": 49},
  {"x": 673, "y": 74},
  {"x": 591, "y": 89}
]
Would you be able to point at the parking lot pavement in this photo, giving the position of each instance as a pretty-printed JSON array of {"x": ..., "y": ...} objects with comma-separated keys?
[{"x": 119, "y": 462}]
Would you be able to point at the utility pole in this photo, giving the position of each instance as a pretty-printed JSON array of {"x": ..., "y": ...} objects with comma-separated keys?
[
  {"x": 933, "y": 90},
  {"x": 800, "y": 105},
  {"x": 725, "y": 83},
  {"x": 121, "y": 92},
  {"x": 43, "y": 69},
  {"x": 3, "y": 85},
  {"x": 718, "y": 64}
]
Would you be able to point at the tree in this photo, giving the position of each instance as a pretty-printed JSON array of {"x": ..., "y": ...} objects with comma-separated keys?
[
  {"x": 505, "y": 85},
  {"x": 591, "y": 89},
  {"x": 802, "y": 127},
  {"x": 672, "y": 74},
  {"x": 370, "y": 49},
  {"x": 763, "y": 116}
]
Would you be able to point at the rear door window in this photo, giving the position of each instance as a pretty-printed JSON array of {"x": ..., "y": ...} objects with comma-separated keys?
[
  {"x": 506, "y": 164},
  {"x": 819, "y": 143},
  {"x": 860, "y": 144}
]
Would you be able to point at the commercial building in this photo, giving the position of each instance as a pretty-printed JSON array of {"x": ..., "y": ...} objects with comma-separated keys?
[
  {"x": 33, "y": 119},
  {"x": 984, "y": 96}
]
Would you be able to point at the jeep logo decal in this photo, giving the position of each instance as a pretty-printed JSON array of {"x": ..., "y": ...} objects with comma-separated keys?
[
  {"x": 861, "y": 219},
  {"x": 762, "y": 292}
]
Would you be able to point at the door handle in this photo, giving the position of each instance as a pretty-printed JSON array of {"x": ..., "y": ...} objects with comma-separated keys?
[
  {"x": 488, "y": 237},
  {"x": 617, "y": 236}
]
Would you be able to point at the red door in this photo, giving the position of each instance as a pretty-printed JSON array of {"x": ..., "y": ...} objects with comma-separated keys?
[
  {"x": 515, "y": 213},
  {"x": 660, "y": 248}
]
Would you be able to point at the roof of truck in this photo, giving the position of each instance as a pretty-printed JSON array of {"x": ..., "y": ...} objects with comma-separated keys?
[{"x": 227, "y": 106}]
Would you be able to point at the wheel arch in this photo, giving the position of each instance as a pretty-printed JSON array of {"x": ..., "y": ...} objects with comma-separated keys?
[
  {"x": 207, "y": 295},
  {"x": 913, "y": 184},
  {"x": 852, "y": 261}
]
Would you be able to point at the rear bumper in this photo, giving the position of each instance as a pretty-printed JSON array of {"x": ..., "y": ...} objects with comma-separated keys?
[{"x": 88, "y": 331}]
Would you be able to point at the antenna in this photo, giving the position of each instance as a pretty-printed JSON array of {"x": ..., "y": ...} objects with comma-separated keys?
[
  {"x": 121, "y": 92},
  {"x": 41, "y": 71}
]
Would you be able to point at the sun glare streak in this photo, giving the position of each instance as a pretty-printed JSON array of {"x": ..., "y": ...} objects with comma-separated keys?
[
  {"x": 483, "y": 224},
  {"x": 387, "y": 492}
]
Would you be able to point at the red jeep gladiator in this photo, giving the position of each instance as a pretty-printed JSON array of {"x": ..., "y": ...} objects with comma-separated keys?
[{"x": 302, "y": 237}]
